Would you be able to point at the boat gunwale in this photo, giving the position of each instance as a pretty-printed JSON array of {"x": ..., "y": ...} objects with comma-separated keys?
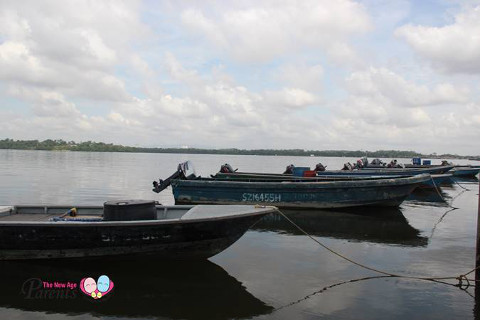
[{"x": 260, "y": 210}]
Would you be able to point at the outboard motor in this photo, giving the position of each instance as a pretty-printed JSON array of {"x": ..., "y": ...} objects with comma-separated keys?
[
  {"x": 347, "y": 166},
  {"x": 226, "y": 168},
  {"x": 289, "y": 169},
  {"x": 185, "y": 170},
  {"x": 320, "y": 167}
]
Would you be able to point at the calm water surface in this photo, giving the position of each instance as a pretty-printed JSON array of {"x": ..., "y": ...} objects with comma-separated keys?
[{"x": 272, "y": 272}]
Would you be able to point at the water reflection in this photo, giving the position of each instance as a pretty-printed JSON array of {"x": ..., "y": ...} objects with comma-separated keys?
[
  {"x": 430, "y": 197},
  {"x": 466, "y": 180},
  {"x": 143, "y": 288},
  {"x": 379, "y": 225}
]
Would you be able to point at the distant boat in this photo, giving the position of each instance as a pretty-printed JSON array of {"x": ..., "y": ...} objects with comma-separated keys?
[
  {"x": 465, "y": 171},
  {"x": 397, "y": 171},
  {"x": 457, "y": 170},
  {"x": 121, "y": 228},
  {"x": 436, "y": 179}
]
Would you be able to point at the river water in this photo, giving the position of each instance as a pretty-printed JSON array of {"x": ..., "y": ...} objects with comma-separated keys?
[{"x": 272, "y": 272}]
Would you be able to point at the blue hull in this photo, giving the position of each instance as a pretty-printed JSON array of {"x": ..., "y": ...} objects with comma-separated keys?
[{"x": 326, "y": 195}]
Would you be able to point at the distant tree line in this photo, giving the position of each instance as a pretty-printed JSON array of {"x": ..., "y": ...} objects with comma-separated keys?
[{"x": 61, "y": 145}]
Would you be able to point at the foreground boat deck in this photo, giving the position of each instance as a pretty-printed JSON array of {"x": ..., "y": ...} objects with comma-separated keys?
[{"x": 28, "y": 217}]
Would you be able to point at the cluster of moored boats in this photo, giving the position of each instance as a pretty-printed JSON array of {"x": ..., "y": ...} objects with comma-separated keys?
[
  {"x": 210, "y": 213},
  {"x": 300, "y": 187}
]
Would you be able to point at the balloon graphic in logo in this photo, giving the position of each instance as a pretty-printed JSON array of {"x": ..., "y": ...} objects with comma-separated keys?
[{"x": 98, "y": 289}]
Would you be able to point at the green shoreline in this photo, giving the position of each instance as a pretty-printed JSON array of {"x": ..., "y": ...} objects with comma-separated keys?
[{"x": 61, "y": 145}]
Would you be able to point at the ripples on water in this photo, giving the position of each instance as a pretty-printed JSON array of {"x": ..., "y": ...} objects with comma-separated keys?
[{"x": 274, "y": 271}]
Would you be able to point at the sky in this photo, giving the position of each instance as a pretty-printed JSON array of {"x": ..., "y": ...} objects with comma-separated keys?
[{"x": 311, "y": 74}]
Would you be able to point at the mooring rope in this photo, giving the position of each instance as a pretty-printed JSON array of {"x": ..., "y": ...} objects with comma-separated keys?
[
  {"x": 308, "y": 296},
  {"x": 440, "y": 194},
  {"x": 328, "y": 287},
  {"x": 460, "y": 277},
  {"x": 456, "y": 182}
]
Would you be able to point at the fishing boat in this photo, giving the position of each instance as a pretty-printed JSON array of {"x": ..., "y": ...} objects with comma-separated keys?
[
  {"x": 395, "y": 171},
  {"x": 364, "y": 172},
  {"x": 189, "y": 189},
  {"x": 457, "y": 170},
  {"x": 435, "y": 181},
  {"x": 122, "y": 228}
]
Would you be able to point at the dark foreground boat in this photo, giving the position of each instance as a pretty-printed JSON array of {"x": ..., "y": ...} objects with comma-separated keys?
[
  {"x": 189, "y": 189},
  {"x": 122, "y": 228}
]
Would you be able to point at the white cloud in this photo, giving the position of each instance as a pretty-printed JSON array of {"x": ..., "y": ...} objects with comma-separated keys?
[
  {"x": 301, "y": 75},
  {"x": 293, "y": 98},
  {"x": 71, "y": 49},
  {"x": 385, "y": 84},
  {"x": 453, "y": 48},
  {"x": 260, "y": 32},
  {"x": 384, "y": 110}
]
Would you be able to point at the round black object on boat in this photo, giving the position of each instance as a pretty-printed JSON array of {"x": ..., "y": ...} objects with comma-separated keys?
[{"x": 127, "y": 210}]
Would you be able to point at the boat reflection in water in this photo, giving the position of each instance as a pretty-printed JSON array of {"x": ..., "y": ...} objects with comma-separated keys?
[
  {"x": 429, "y": 197},
  {"x": 378, "y": 225},
  {"x": 466, "y": 180},
  {"x": 142, "y": 288}
]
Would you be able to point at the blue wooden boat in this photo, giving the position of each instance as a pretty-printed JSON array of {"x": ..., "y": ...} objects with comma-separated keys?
[
  {"x": 189, "y": 189},
  {"x": 122, "y": 228},
  {"x": 397, "y": 171},
  {"x": 297, "y": 194},
  {"x": 457, "y": 171},
  {"x": 435, "y": 181}
]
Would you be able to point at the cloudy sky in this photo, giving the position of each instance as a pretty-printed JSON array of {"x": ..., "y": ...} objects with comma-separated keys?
[{"x": 311, "y": 74}]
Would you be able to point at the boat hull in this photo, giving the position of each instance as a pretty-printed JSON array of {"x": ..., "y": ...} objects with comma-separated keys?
[
  {"x": 162, "y": 239},
  {"x": 325, "y": 195}
]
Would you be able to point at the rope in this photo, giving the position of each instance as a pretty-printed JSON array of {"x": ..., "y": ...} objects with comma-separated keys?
[
  {"x": 440, "y": 220},
  {"x": 326, "y": 288},
  {"x": 456, "y": 182},
  {"x": 460, "y": 278},
  {"x": 358, "y": 280},
  {"x": 440, "y": 195}
]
